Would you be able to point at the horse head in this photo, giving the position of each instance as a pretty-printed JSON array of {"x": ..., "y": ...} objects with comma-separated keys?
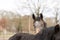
[{"x": 38, "y": 23}]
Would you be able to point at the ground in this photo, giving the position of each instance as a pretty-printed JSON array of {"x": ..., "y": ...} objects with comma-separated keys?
[{"x": 5, "y": 36}]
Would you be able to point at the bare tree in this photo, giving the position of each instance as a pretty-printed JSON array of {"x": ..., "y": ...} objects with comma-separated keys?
[
  {"x": 31, "y": 5},
  {"x": 56, "y": 15}
]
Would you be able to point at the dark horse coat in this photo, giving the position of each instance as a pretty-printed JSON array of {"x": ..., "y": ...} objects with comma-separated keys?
[{"x": 47, "y": 34}]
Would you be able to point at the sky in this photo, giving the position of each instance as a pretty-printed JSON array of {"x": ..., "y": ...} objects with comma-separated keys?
[
  {"x": 19, "y": 6},
  {"x": 7, "y": 5}
]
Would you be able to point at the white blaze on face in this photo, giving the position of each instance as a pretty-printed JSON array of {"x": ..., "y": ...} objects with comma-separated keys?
[{"x": 38, "y": 25}]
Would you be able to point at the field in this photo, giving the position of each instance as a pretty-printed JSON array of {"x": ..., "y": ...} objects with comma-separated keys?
[{"x": 5, "y": 36}]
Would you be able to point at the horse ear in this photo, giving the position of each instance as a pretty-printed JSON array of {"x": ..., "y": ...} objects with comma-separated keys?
[
  {"x": 33, "y": 16},
  {"x": 57, "y": 28},
  {"x": 41, "y": 16}
]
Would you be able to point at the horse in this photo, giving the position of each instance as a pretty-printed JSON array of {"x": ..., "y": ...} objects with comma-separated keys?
[
  {"x": 38, "y": 23},
  {"x": 51, "y": 33},
  {"x": 22, "y": 36}
]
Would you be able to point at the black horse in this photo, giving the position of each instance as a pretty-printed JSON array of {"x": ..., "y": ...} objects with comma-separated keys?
[
  {"x": 22, "y": 36},
  {"x": 52, "y": 33}
]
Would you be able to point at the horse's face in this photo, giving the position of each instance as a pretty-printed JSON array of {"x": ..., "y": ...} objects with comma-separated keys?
[{"x": 38, "y": 21}]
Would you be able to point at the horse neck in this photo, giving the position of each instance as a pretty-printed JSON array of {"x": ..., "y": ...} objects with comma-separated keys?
[{"x": 42, "y": 23}]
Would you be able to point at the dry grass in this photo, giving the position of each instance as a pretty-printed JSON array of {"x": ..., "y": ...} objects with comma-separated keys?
[{"x": 5, "y": 36}]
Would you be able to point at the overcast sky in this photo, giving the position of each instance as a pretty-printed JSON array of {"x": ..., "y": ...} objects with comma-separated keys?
[{"x": 19, "y": 6}]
